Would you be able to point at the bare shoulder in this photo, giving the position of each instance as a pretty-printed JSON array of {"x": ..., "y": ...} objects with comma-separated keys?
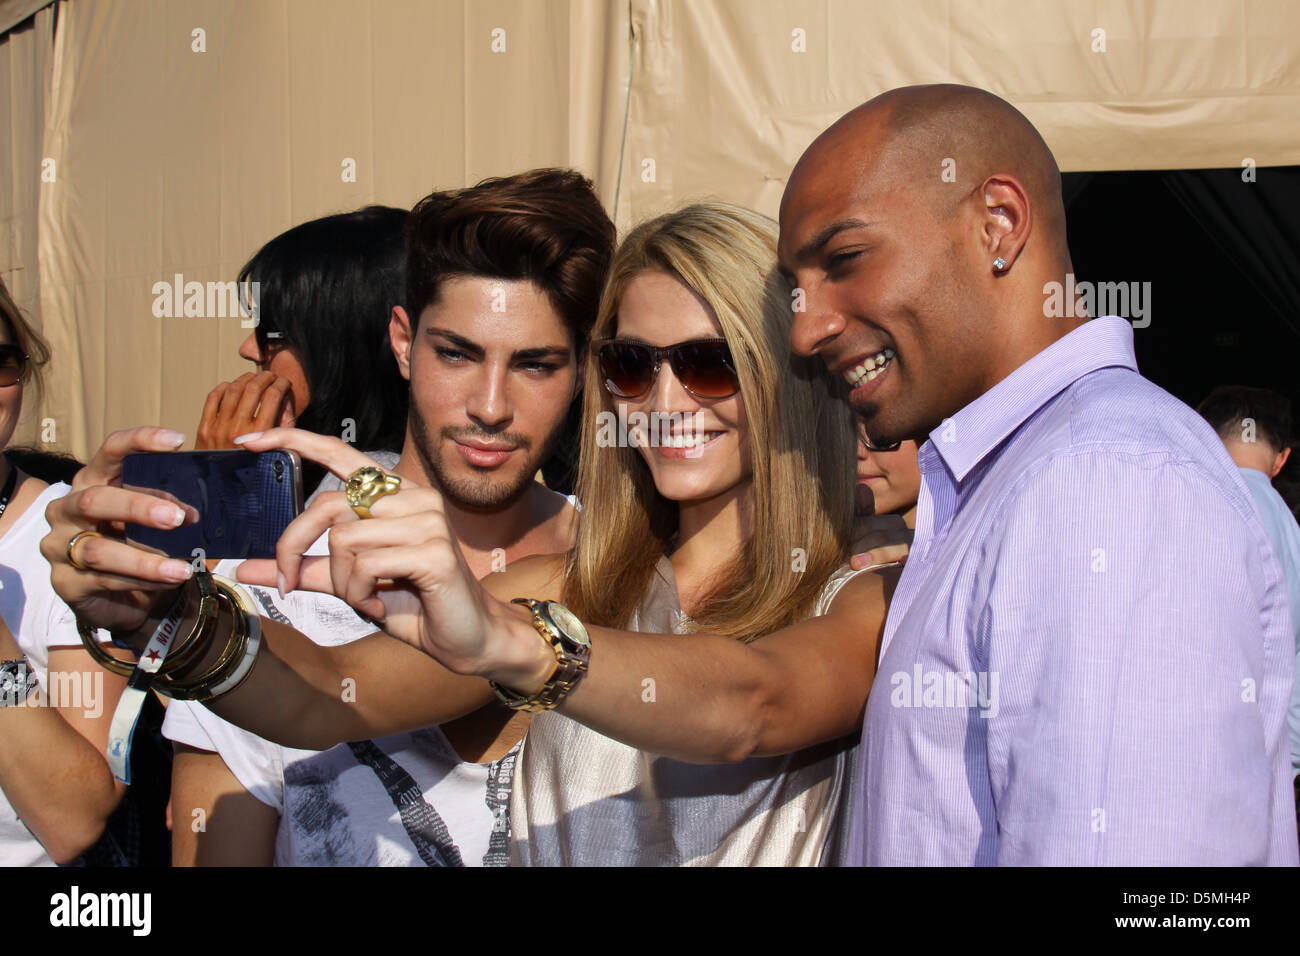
[
  {"x": 866, "y": 592},
  {"x": 562, "y": 523},
  {"x": 539, "y": 576}
]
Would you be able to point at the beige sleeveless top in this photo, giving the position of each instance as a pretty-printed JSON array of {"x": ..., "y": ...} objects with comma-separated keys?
[{"x": 582, "y": 799}]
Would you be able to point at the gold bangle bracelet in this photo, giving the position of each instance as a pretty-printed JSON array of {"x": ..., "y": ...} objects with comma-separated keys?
[
  {"x": 250, "y": 646},
  {"x": 200, "y": 687},
  {"x": 196, "y": 644},
  {"x": 99, "y": 655},
  {"x": 207, "y": 601},
  {"x": 230, "y": 653}
]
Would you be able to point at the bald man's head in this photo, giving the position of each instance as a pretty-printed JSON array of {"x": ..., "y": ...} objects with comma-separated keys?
[
  {"x": 892, "y": 222},
  {"x": 983, "y": 135},
  {"x": 932, "y": 140}
]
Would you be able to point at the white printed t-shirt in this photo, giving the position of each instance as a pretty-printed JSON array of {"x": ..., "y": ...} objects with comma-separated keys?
[
  {"x": 38, "y": 620},
  {"x": 404, "y": 800}
]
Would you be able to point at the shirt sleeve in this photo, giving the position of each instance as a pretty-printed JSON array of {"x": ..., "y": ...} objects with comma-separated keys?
[
  {"x": 256, "y": 763},
  {"x": 1293, "y": 719},
  {"x": 1138, "y": 647},
  {"x": 182, "y": 727}
]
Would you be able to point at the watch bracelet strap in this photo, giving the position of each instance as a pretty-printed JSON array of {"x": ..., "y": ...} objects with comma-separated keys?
[
  {"x": 569, "y": 669},
  {"x": 24, "y": 682}
]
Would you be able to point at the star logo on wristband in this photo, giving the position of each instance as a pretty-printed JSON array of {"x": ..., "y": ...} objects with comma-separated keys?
[{"x": 152, "y": 655}]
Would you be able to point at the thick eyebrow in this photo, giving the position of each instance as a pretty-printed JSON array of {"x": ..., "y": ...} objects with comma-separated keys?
[
  {"x": 815, "y": 244},
  {"x": 542, "y": 352},
  {"x": 519, "y": 355}
]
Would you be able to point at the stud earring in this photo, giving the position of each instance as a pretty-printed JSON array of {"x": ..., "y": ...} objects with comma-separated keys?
[{"x": 999, "y": 264}]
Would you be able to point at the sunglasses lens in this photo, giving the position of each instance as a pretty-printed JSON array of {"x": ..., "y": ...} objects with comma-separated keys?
[
  {"x": 12, "y": 365},
  {"x": 269, "y": 340},
  {"x": 626, "y": 368},
  {"x": 706, "y": 369}
]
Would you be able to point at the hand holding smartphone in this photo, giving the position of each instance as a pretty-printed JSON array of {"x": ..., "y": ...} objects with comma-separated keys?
[{"x": 244, "y": 500}]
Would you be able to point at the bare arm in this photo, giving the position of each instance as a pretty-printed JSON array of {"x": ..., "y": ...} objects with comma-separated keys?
[
  {"x": 717, "y": 700},
  {"x": 216, "y": 822},
  {"x": 310, "y": 697},
  {"x": 694, "y": 697},
  {"x": 52, "y": 765}
]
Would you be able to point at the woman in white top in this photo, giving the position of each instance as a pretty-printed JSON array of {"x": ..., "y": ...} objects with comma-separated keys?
[
  {"x": 733, "y": 520},
  {"x": 58, "y": 792}
]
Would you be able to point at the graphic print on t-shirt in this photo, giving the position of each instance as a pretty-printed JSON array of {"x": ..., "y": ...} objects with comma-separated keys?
[
  {"x": 330, "y": 822},
  {"x": 428, "y": 833}
]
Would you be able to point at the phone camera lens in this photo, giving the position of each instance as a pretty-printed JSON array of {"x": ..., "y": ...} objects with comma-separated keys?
[{"x": 278, "y": 468}]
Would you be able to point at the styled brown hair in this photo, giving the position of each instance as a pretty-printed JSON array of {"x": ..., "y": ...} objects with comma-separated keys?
[
  {"x": 545, "y": 225},
  {"x": 802, "y": 441},
  {"x": 24, "y": 336}
]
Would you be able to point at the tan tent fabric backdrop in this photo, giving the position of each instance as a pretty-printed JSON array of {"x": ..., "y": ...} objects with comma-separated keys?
[
  {"x": 26, "y": 64},
  {"x": 186, "y": 133}
]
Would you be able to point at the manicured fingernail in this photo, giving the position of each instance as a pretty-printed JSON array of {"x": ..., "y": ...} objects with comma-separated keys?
[
  {"x": 167, "y": 515},
  {"x": 169, "y": 437},
  {"x": 280, "y": 583},
  {"x": 239, "y": 440},
  {"x": 177, "y": 570}
]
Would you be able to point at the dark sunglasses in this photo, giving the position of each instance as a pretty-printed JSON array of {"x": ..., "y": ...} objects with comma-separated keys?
[
  {"x": 269, "y": 340},
  {"x": 13, "y": 365},
  {"x": 703, "y": 366},
  {"x": 866, "y": 443}
]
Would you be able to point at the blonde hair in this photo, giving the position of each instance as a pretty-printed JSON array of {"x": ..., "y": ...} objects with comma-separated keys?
[{"x": 801, "y": 440}]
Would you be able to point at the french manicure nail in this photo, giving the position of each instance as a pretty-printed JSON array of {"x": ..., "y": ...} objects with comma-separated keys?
[
  {"x": 280, "y": 583},
  {"x": 240, "y": 439},
  {"x": 168, "y": 515},
  {"x": 177, "y": 571},
  {"x": 170, "y": 437}
]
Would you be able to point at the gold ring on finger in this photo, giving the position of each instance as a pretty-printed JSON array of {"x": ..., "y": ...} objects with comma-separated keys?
[
  {"x": 72, "y": 543},
  {"x": 367, "y": 485}
]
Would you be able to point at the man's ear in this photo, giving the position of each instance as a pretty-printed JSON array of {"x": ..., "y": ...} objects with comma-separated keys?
[
  {"x": 400, "y": 337},
  {"x": 1279, "y": 462},
  {"x": 1007, "y": 219}
]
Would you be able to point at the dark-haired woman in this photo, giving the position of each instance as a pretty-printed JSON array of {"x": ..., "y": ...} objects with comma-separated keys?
[{"x": 324, "y": 294}]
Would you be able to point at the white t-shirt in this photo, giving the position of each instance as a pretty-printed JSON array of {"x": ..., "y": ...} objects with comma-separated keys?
[
  {"x": 405, "y": 800},
  {"x": 39, "y": 620}
]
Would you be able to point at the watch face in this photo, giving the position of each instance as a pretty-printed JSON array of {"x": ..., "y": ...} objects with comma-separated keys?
[{"x": 568, "y": 622}]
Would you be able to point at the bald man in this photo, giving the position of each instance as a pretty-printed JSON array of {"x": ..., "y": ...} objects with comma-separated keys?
[{"x": 1088, "y": 657}]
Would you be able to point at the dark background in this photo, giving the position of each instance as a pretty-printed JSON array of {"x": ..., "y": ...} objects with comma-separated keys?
[{"x": 1223, "y": 259}]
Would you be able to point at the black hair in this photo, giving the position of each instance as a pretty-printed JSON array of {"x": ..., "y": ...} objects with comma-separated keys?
[
  {"x": 48, "y": 466},
  {"x": 1227, "y": 406},
  {"x": 326, "y": 289}
]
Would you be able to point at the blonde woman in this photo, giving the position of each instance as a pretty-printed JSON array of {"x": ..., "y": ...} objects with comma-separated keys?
[{"x": 731, "y": 525}]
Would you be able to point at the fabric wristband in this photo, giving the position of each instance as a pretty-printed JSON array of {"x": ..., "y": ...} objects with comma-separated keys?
[{"x": 131, "y": 703}]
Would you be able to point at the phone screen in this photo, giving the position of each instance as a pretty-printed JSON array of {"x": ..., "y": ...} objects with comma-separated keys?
[{"x": 245, "y": 500}]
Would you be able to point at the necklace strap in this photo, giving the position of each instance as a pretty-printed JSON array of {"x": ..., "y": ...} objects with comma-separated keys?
[{"x": 10, "y": 484}]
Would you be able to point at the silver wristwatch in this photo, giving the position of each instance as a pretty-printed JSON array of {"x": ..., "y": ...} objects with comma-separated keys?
[{"x": 17, "y": 680}]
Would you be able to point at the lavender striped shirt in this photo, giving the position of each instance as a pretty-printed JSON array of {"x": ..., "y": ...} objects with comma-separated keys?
[{"x": 1089, "y": 655}]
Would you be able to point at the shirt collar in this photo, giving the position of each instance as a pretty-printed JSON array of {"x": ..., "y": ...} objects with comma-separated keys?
[{"x": 967, "y": 438}]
